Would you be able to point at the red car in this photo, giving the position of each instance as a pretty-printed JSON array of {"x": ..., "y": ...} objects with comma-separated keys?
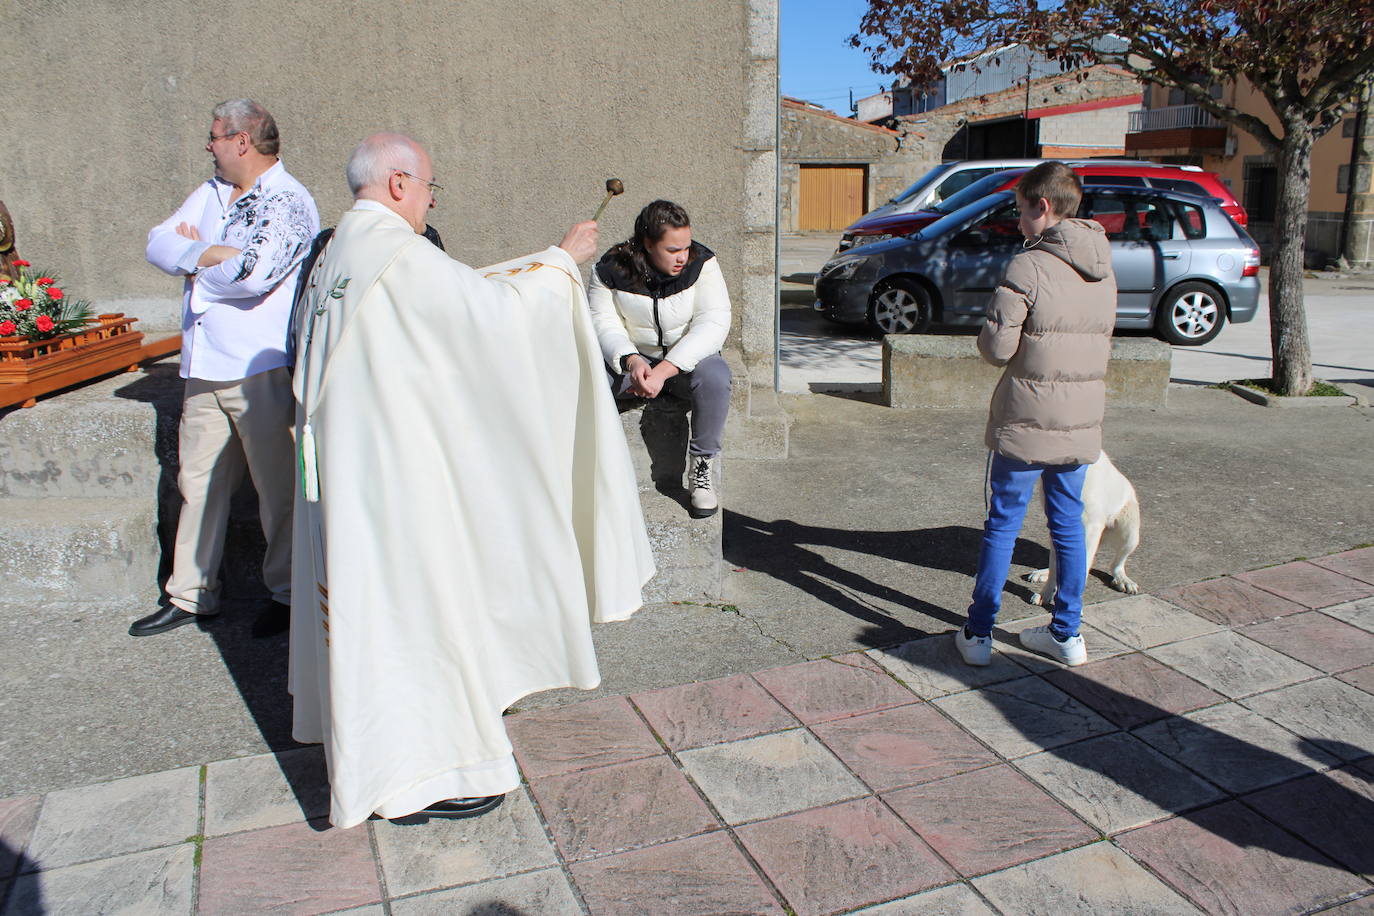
[{"x": 1184, "y": 178}]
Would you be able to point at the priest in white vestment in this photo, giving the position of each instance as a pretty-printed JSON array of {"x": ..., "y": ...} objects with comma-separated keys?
[{"x": 467, "y": 507}]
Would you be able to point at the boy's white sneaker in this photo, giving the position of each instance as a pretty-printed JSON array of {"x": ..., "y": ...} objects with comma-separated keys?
[
  {"x": 974, "y": 650},
  {"x": 1039, "y": 639}
]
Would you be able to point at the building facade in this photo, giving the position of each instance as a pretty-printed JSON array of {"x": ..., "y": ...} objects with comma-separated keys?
[{"x": 1169, "y": 128}]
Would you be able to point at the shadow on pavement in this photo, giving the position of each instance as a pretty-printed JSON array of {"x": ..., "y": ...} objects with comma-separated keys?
[
  {"x": 781, "y": 549},
  {"x": 1315, "y": 817},
  {"x": 24, "y": 897},
  {"x": 258, "y": 667}
]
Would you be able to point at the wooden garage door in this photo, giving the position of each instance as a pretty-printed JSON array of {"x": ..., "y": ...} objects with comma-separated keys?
[{"x": 832, "y": 196}]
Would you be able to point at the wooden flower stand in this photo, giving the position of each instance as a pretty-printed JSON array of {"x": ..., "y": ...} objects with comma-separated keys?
[{"x": 108, "y": 344}]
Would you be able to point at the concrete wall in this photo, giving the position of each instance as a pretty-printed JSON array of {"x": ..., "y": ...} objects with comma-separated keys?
[{"x": 526, "y": 106}]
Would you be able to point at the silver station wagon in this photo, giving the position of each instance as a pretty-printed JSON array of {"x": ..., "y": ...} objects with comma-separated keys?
[{"x": 1183, "y": 267}]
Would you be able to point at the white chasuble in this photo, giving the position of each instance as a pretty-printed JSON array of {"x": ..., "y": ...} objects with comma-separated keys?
[{"x": 477, "y": 510}]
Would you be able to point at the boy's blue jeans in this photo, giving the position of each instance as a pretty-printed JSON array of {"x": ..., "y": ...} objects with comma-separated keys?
[{"x": 1012, "y": 483}]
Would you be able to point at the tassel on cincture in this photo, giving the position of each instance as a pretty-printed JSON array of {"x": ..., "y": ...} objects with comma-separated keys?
[{"x": 310, "y": 471}]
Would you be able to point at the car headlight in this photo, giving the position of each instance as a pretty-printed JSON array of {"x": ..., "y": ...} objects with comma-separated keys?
[
  {"x": 841, "y": 270},
  {"x": 870, "y": 239}
]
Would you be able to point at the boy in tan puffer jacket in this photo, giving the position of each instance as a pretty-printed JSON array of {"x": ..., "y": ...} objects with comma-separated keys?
[{"x": 1050, "y": 324}]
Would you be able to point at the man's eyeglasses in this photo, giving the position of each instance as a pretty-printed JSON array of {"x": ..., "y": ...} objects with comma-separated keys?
[
  {"x": 433, "y": 188},
  {"x": 213, "y": 138}
]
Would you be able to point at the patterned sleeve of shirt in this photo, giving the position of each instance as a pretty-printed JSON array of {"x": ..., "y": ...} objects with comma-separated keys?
[{"x": 274, "y": 233}]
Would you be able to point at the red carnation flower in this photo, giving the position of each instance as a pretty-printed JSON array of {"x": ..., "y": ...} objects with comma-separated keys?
[
  {"x": 20, "y": 262},
  {"x": 43, "y": 323},
  {"x": 45, "y": 281},
  {"x": 55, "y": 294},
  {"x": 23, "y": 305},
  {"x": 7, "y": 328}
]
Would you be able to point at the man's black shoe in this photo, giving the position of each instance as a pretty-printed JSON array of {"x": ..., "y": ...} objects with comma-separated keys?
[
  {"x": 169, "y": 618},
  {"x": 275, "y": 618},
  {"x": 454, "y": 808}
]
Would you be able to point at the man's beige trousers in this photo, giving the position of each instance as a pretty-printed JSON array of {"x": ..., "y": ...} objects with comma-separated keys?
[{"x": 225, "y": 428}]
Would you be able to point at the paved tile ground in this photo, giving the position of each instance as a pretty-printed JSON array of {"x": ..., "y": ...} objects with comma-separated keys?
[{"x": 1215, "y": 755}]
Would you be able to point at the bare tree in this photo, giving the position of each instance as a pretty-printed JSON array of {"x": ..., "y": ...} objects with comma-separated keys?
[{"x": 1307, "y": 58}]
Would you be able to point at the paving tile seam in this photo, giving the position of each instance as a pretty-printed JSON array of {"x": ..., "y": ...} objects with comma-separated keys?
[
  {"x": 38, "y": 869},
  {"x": 375, "y": 850},
  {"x": 199, "y": 859},
  {"x": 561, "y": 860}
]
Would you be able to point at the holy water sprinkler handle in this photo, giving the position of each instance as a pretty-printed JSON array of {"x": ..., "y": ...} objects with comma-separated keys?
[{"x": 614, "y": 186}]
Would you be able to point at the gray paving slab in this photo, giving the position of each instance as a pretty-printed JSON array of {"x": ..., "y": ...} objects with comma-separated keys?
[
  {"x": 1359, "y": 613},
  {"x": 952, "y": 900},
  {"x": 1117, "y": 782},
  {"x": 1142, "y": 621},
  {"x": 1233, "y": 665},
  {"x": 769, "y": 775},
  {"x": 1333, "y": 715},
  {"x": 1234, "y": 747},
  {"x": 539, "y": 893},
  {"x": 1096, "y": 880},
  {"x": 127, "y": 815},
  {"x": 1020, "y": 717},
  {"x": 265, "y": 790},
  {"x": 158, "y": 882},
  {"x": 442, "y": 853}
]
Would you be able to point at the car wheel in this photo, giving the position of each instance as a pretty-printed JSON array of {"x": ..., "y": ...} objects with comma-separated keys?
[
  {"x": 900, "y": 306},
  {"x": 1190, "y": 314}
]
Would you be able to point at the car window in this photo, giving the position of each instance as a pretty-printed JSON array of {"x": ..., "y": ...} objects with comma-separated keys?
[
  {"x": 1178, "y": 184},
  {"x": 1001, "y": 225},
  {"x": 1156, "y": 220},
  {"x": 925, "y": 181},
  {"x": 1118, "y": 180},
  {"x": 1191, "y": 218},
  {"x": 958, "y": 181},
  {"x": 1134, "y": 218},
  {"x": 976, "y": 191}
]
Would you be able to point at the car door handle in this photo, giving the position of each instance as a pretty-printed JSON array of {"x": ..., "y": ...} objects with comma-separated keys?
[{"x": 1171, "y": 255}]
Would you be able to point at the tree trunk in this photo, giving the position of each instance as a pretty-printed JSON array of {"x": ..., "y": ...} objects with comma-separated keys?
[{"x": 1292, "y": 367}]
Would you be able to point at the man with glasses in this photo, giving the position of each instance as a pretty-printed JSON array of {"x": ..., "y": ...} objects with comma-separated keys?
[
  {"x": 467, "y": 505},
  {"x": 238, "y": 241}
]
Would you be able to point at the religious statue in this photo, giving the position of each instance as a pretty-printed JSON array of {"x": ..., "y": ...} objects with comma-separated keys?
[{"x": 7, "y": 252}]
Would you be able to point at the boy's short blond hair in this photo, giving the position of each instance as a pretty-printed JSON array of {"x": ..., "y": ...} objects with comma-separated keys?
[{"x": 1055, "y": 182}]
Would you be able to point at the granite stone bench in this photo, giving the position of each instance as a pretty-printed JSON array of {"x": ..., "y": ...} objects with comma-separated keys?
[{"x": 923, "y": 370}]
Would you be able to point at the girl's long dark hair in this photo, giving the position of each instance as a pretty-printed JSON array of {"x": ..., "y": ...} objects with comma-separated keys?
[{"x": 630, "y": 256}]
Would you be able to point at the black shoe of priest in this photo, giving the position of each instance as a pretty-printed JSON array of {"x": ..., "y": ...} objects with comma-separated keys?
[{"x": 454, "y": 808}]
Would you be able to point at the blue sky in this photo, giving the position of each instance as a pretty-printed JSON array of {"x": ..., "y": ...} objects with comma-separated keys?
[{"x": 815, "y": 63}]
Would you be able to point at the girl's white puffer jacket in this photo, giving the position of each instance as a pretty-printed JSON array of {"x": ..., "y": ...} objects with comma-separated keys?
[{"x": 682, "y": 319}]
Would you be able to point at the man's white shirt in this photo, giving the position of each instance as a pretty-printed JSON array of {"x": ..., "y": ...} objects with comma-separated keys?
[{"x": 234, "y": 315}]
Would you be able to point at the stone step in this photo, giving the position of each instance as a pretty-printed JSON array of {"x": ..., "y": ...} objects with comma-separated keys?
[
  {"x": 112, "y": 438},
  {"x": 86, "y": 549}
]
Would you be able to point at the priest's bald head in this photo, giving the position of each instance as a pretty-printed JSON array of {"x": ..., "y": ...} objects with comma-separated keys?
[{"x": 396, "y": 172}]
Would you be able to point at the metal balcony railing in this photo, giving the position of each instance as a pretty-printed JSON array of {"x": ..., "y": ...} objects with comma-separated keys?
[{"x": 1174, "y": 116}]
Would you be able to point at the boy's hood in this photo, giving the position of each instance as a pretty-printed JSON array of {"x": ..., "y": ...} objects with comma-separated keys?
[{"x": 1080, "y": 243}]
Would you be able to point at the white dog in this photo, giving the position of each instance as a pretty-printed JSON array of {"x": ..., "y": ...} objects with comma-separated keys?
[{"x": 1111, "y": 517}]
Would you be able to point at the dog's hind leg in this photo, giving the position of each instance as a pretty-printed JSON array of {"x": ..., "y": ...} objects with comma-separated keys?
[
  {"x": 1044, "y": 595},
  {"x": 1122, "y": 538}
]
